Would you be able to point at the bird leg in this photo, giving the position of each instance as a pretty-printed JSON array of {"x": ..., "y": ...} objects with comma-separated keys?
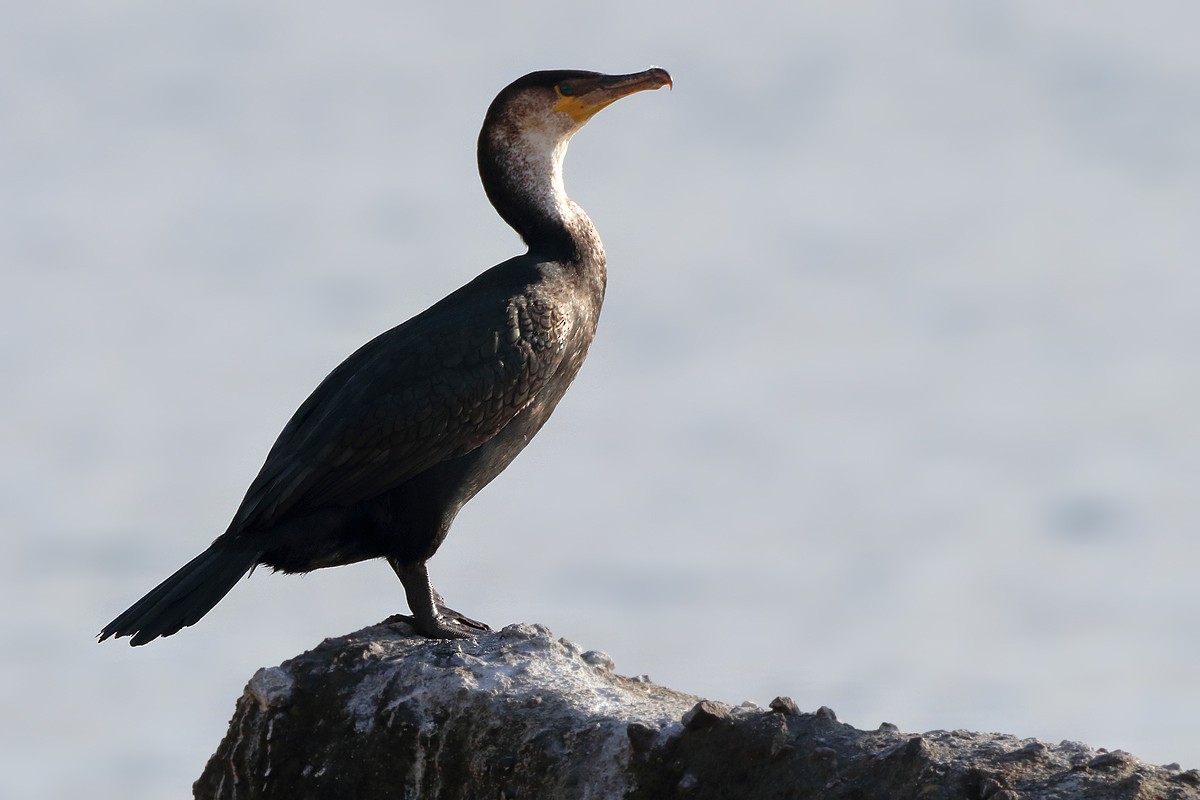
[{"x": 430, "y": 616}]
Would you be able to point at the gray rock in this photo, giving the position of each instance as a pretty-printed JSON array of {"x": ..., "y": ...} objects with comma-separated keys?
[
  {"x": 520, "y": 714},
  {"x": 382, "y": 713}
]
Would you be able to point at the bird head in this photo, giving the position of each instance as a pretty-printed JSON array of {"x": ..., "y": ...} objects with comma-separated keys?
[
  {"x": 525, "y": 136},
  {"x": 559, "y": 102},
  {"x": 535, "y": 116}
]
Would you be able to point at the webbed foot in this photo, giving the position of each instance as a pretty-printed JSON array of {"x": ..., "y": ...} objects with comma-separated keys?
[
  {"x": 447, "y": 625},
  {"x": 458, "y": 618}
]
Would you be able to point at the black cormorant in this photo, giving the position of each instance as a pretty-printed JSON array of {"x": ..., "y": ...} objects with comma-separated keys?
[{"x": 380, "y": 458}]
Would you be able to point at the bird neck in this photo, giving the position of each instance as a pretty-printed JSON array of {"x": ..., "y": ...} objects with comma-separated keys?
[{"x": 523, "y": 178}]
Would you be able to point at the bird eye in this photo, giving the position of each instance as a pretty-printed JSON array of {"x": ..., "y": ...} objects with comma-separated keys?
[{"x": 566, "y": 89}]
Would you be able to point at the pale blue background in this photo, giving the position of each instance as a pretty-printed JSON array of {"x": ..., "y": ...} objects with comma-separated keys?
[{"x": 894, "y": 405}]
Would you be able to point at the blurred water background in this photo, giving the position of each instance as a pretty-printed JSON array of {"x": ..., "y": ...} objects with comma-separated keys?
[{"x": 893, "y": 408}]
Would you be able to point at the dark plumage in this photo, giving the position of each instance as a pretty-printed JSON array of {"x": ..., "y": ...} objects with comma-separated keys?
[{"x": 380, "y": 458}]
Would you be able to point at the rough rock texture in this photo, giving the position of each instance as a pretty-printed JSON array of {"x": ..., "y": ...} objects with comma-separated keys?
[{"x": 520, "y": 714}]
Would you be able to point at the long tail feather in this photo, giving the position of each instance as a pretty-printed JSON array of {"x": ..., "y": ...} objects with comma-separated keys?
[{"x": 182, "y": 599}]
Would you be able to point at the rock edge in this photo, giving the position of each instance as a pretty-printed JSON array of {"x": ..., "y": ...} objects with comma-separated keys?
[{"x": 518, "y": 713}]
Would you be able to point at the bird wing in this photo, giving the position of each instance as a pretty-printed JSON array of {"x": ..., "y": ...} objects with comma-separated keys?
[{"x": 429, "y": 390}]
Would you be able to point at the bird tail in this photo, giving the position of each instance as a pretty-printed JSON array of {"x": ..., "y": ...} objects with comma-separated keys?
[{"x": 182, "y": 599}]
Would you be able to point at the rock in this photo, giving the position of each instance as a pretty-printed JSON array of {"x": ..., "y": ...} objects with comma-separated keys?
[
  {"x": 785, "y": 705},
  {"x": 826, "y": 713},
  {"x": 705, "y": 714},
  {"x": 520, "y": 714},
  {"x": 383, "y": 713}
]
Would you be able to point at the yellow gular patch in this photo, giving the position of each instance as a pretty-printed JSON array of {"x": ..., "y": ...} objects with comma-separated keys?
[{"x": 579, "y": 109}]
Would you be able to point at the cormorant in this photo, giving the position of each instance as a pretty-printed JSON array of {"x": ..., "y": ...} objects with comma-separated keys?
[{"x": 380, "y": 458}]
